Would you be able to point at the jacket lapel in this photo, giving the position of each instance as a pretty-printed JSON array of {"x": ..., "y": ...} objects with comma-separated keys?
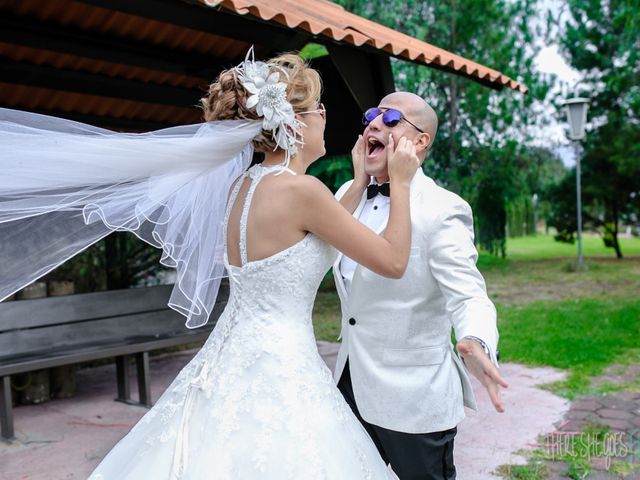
[{"x": 337, "y": 275}]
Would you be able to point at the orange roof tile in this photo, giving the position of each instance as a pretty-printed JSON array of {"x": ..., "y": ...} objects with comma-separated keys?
[{"x": 325, "y": 18}]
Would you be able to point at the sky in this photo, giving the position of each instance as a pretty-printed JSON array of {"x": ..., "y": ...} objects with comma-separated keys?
[{"x": 550, "y": 61}]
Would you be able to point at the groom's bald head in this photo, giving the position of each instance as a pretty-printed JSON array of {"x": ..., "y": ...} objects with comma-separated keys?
[
  {"x": 419, "y": 125},
  {"x": 416, "y": 110}
]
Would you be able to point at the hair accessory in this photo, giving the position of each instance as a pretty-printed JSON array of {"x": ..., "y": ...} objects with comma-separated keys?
[{"x": 269, "y": 97}]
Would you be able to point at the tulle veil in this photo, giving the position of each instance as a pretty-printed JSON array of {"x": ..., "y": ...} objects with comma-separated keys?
[{"x": 65, "y": 185}]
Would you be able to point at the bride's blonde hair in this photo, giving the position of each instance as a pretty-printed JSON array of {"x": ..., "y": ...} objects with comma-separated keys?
[{"x": 227, "y": 98}]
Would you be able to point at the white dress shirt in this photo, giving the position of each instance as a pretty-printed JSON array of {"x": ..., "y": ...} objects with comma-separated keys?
[{"x": 374, "y": 215}]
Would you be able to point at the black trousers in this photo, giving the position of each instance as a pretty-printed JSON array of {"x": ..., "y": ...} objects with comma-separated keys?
[{"x": 421, "y": 456}]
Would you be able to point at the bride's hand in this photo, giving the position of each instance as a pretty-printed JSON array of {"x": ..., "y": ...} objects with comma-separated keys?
[
  {"x": 360, "y": 177},
  {"x": 402, "y": 160}
]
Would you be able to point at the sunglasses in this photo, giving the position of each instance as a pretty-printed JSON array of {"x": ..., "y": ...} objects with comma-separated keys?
[
  {"x": 321, "y": 110},
  {"x": 390, "y": 117}
]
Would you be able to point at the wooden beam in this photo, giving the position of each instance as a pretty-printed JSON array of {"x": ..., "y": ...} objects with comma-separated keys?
[
  {"x": 344, "y": 115},
  {"x": 66, "y": 39},
  {"x": 99, "y": 85},
  {"x": 368, "y": 77}
]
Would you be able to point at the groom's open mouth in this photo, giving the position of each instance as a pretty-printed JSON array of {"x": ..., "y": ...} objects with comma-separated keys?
[{"x": 374, "y": 147}]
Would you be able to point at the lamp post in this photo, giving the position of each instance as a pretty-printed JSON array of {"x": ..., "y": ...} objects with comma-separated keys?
[
  {"x": 534, "y": 203},
  {"x": 577, "y": 115}
]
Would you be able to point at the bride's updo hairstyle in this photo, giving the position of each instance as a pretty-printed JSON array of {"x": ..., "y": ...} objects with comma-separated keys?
[{"x": 227, "y": 98}]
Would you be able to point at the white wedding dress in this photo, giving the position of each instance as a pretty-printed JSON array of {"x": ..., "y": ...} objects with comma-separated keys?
[{"x": 257, "y": 401}]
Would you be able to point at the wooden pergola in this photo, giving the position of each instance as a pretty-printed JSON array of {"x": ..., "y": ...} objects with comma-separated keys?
[{"x": 144, "y": 64}]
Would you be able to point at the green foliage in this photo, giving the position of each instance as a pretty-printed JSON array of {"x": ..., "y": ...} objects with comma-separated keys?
[
  {"x": 86, "y": 270},
  {"x": 120, "y": 260},
  {"x": 624, "y": 469},
  {"x": 489, "y": 194},
  {"x": 538, "y": 170},
  {"x": 602, "y": 41},
  {"x": 610, "y": 192},
  {"x": 520, "y": 217},
  {"x": 333, "y": 171},
  {"x": 534, "y": 470},
  {"x": 313, "y": 50},
  {"x": 562, "y": 214}
]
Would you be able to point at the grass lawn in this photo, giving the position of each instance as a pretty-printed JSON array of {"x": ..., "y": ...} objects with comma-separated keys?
[
  {"x": 549, "y": 314},
  {"x": 582, "y": 336},
  {"x": 326, "y": 316},
  {"x": 544, "y": 246}
]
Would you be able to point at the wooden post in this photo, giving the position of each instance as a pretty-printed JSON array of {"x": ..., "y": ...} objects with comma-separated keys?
[
  {"x": 6, "y": 409},
  {"x": 63, "y": 378},
  {"x": 122, "y": 372},
  {"x": 33, "y": 387},
  {"x": 144, "y": 387},
  {"x": 12, "y": 391}
]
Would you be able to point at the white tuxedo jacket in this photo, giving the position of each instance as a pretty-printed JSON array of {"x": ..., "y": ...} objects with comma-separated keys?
[{"x": 396, "y": 334}]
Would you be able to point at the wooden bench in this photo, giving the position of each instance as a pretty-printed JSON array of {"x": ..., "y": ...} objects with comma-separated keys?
[{"x": 54, "y": 331}]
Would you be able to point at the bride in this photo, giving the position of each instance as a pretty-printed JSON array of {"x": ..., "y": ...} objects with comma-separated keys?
[{"x": 257, "y": 401}]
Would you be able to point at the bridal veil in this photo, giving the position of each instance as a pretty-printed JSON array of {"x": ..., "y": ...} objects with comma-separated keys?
[{"x": 65, "y": 185}]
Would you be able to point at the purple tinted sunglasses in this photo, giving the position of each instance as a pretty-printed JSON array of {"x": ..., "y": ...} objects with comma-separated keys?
[{"x": 390, "y": 117}]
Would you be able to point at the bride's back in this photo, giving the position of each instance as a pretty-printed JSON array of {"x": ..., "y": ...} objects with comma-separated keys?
[{"x": 268, "y": 201}]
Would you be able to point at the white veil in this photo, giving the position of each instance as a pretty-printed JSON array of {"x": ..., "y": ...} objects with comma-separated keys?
[{"x": 65, "y": 185}]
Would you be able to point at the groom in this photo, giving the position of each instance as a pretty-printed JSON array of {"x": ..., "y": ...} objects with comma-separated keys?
[{"x": 397, "y": 367}]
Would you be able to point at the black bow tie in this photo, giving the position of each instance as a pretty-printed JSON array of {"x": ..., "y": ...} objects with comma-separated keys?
[{"x": 375, "y": 189}]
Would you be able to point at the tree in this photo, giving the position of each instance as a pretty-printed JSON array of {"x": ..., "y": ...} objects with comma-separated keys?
[
  {"x": 610, "y": 189},
  {"x": 602, "y": 41},
  {"x": 538, "y": 169}
]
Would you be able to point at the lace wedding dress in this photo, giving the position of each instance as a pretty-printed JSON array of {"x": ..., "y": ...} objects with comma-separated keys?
[{"x": 257, "y": 401}]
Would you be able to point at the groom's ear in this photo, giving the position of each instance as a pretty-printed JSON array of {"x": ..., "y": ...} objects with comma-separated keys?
[{"x": 422, "y": 142}]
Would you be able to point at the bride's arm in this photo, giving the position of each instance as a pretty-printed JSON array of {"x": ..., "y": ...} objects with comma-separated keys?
[
  {"x": 351, "y": 198},
  {"x": 386, "y": 255}
]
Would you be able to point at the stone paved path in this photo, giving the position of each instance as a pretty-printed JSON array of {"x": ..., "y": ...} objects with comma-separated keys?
[
  {"x": 65, "y": 439},
  {"x": 620, "y": 412},
  {"x": 487, "y": 439}
]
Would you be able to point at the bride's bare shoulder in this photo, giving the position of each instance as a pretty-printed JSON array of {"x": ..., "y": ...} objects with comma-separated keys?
[
  {"x": 300, "y": 190},
  {"x": 309, "y": 186}
]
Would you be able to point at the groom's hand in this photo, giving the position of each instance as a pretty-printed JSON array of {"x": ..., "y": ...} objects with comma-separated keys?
[
  {"x": 360, "y": 177},
  {"x": 480, "y": 365},
  {"x": 402, "y": 160}
]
